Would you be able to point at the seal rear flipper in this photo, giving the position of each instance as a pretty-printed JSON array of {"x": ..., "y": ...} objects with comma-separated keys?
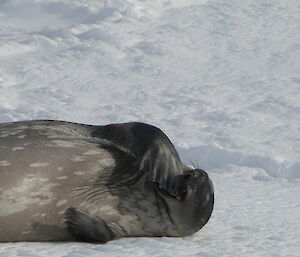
[{"x": 87, "y": 227}]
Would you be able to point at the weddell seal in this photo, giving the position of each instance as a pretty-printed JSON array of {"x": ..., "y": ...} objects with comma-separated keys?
[{"x": 63, "y": 181}]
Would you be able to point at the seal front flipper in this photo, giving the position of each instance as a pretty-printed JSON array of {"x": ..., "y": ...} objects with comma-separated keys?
[
  {"x": 87, "y": 227},
  {"x": 154, "y": 152}
]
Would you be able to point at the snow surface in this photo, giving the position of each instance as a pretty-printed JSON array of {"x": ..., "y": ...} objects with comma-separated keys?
[{"x": 220, "y": 77}]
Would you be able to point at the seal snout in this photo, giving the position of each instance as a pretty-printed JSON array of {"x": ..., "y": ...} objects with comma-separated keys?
[{"x": 207, "y": 191}]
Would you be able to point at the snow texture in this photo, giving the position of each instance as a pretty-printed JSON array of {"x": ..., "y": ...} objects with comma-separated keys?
[{"x": 220, "y": 77}]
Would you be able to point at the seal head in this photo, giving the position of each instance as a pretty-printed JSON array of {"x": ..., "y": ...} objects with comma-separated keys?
[{"x": 193, "y": 209}]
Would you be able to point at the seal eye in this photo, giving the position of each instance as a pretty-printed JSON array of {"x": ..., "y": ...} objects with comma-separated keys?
[
  {"x": 184, "y": 192},
  {"x": 184, "y": 187}
]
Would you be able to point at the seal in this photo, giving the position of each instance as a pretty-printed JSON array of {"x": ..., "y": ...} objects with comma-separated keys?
[{"x": 63, "y": 181}]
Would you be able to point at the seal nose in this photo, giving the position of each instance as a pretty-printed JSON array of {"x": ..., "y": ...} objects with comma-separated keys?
[
  {"x": 208, "y": 192},
  {"x": 202, "y": 175},
  {"x": 208, "y": 186}
]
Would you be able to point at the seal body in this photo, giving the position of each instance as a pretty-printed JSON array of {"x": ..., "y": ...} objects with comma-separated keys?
[{"x": 58, "y": 182}]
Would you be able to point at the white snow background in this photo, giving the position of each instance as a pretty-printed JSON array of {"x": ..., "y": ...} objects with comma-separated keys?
[{"x": 220, "y": 77}]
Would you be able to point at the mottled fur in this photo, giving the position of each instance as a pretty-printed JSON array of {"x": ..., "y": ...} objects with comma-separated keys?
[{"x": 47, "y": 167}]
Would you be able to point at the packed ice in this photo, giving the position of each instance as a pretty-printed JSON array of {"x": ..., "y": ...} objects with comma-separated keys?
[{"x": 219, "y": 77}]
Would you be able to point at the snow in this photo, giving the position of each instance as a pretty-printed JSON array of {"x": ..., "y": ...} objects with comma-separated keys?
[{"x": 219, "y": 77}]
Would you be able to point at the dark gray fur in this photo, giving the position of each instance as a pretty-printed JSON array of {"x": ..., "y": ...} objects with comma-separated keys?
[{"x": 135, "y": 186}]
